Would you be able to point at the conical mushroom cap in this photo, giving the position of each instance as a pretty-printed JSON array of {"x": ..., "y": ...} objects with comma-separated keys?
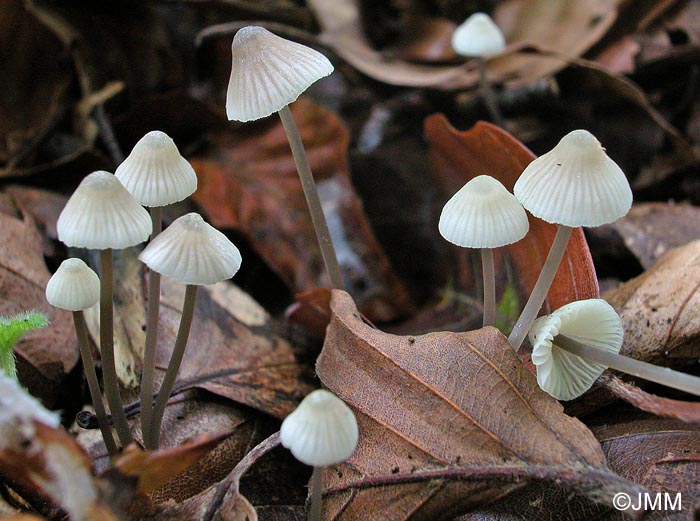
[
  {"x": 483, "y": 214},
  {"x": 155, "y": 173},
  {"x": 101, "y": 214},
  {"x": 269, "y": 72},
  {"x": 193, "y": 252},
  {"x": 322, "y": 431},
  {"x": 74, "y": 286},
  {"x": 575, "y": 184},
  {"x": 478, "y": 36},
  {"x": 560, "y": 373}
]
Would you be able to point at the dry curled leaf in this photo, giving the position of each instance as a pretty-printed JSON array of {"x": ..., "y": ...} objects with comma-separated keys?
[
  {"x": 449, "y": 422},
  {"x": 248, "y": 181},
  {"x": 456, "y": 157}
]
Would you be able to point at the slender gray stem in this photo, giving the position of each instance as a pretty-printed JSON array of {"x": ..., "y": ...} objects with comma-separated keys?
[
  {"x": 93, "y": 385},
  {"x": 653, "y": 373},
  {"x": 539, "y": 292},
  {"x": 149, "y": 354},
  {"x": 316, "y": 494},
  {"x": 109, "y": 369},
  {"x": 489, "y": 286},
  {"x": 166, "y": 387},
  {"x": 488, "y": 95},
  {"x": 312, "y": 200}
]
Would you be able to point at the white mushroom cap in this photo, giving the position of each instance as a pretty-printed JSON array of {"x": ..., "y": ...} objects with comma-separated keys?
[
  {"x": 101, "y": 214},
  {"x": 560, "y": 373},
  {"x": 478, "y": 36},
  {"x": 193, "y": 252},
  {"x": 483, "y": 214},
  {"x": 269, "y": 72},
  {"x": 322, "y": 431},
  {"x": 155, "y": 173},
  {"x": 575, "y": 184},
  {"x": 74, "y": 286}
]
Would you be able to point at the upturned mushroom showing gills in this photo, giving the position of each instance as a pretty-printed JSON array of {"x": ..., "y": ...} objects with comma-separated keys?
[
  {"x": 102, "y": 215},
  {"x": 574, "y": 184},
  {"x": 75, "y": 287},
  {"x": 267, "y": 74},
  {"x": 484, "y": 215},
  {"x": 193, "y": 252},
  {"x": 156, "y": 175},
  {"x": 577, "y": 342},
  {"x": 322, "y": 431}
]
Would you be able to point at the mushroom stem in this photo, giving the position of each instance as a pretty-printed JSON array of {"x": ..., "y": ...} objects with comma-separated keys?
[
  {"x": 489, "y": 286},
  {"x": 152, "y": 439},
  {"x": 93, "y": 385},
  {"x": 316, "y": 494},
  {"x": 539, "y": 292},
  {"x": 109, "y": 369},
  {"x": 487, "y": 93},
  {"x": 653, "y": 373},
  {"x": 149, "y": 355},
  {"x": 312, "y": 200}
]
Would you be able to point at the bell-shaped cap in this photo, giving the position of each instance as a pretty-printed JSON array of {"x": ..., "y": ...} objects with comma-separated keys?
[
  {"x": 101, "y": 214},
  {"x": 562, "y": 374},
  {"x": 478, "y": 36},
  {"x": 193, "y": 252},
  {"x": 269, "y": 72},
  {"x": 155, "y": 173},
  {"x": 74, "y": 286},
  {"x": 483, "y": 214},
  {"x": 575, "y": 184},
  {"x": 322, "y": 431}
]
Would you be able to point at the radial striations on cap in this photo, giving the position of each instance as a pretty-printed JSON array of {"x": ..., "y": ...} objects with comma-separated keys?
[
  {"x": 560, "y": 373},
  {"x": 483, "y": 214},
  {"x": 575, "y": 184},
  {"x": 321, "y": 431},
  {"x": 74, "y": 286},
  {"x": 102, "y": 214},
  {"x": 155, "y": 173},
  {"x": 478, "y": 36},
  {"x": 193, "y": 252},
  {"x": 269, "y": 72}
]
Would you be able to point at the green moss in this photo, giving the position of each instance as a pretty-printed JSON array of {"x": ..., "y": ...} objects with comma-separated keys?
[{"x": 11, "y": 329}]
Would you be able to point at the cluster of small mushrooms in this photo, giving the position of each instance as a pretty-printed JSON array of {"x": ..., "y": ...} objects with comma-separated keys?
[{"x": 571, "y": 347}]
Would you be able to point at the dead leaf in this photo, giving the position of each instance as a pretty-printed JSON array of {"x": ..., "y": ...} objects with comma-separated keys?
[
  {"x": 249, "y": 182},
  {"x": 46, "y": 356},
  {"x": 427, "y": 40},
  {"x": 311, "y": 311},
  {"x": 448, "y": 422},
  {"x": 456, "y": 157}
]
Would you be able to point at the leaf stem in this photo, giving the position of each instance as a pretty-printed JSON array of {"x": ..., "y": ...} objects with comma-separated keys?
[
  {"x": 166, "y": 387},
  {"x": 312, "y": 199},
  {"x": 489, "y": 286}
]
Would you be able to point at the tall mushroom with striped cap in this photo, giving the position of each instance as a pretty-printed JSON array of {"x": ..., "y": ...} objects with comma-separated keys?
[
  {"x": 75, "y": 287},
  {"x": 196, "y": 253},
  {"x": 156, "y": 175},
  {"x": 574, "y": 184},
  {"x": 102, "y": 215},
  {"x": 267, "y": 74},
  {"x": 484, "y": 215}
]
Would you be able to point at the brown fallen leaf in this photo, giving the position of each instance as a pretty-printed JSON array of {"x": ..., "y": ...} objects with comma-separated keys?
[
  {"x": 46, "y": 356},
  {"x": 456, "y": 157},
  {"x": 448, "y": 422},
  {"x": 248, "y": 181}
]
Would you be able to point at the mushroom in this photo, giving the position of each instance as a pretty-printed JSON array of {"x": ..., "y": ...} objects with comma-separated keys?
[
  {"x": 75, "y": 287},
  {"x": 577, "y": 342},
  {"x": 322, "y": 431},
  {"x": 156, "y": 175},
  {"x": 102, "y": 215},
  {"x": 267, "y": 74},
  {"x": 193, "y": 252},
  {"x": 484, "y": 215},
  {"x": 479, "y": 37},
  {"x": 574, "y": 184}
]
